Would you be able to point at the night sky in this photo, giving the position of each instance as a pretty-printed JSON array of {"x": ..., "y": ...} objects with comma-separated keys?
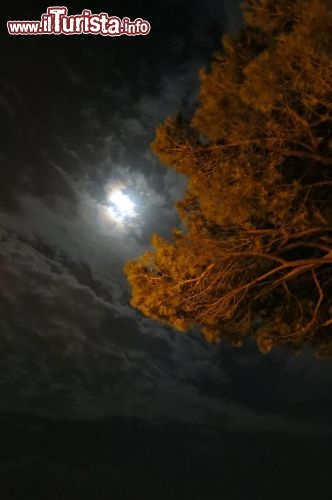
[{"x": 95, "y": 399}]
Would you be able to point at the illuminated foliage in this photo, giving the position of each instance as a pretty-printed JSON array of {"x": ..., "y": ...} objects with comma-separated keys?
[{"x": 256, "y": 258}]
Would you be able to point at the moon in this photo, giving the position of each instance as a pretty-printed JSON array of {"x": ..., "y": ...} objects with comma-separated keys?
[{"x": 121, "y": 206}]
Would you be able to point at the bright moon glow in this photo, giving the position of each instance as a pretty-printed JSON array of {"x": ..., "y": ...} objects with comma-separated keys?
[{"x": 121, "y": 205}]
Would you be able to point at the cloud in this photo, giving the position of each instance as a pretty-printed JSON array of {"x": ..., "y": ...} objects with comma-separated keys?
[{"x": 59, "y": 339}]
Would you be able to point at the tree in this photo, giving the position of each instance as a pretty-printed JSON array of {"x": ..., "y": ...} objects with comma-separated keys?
[{"x": 256, "y": 255}]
